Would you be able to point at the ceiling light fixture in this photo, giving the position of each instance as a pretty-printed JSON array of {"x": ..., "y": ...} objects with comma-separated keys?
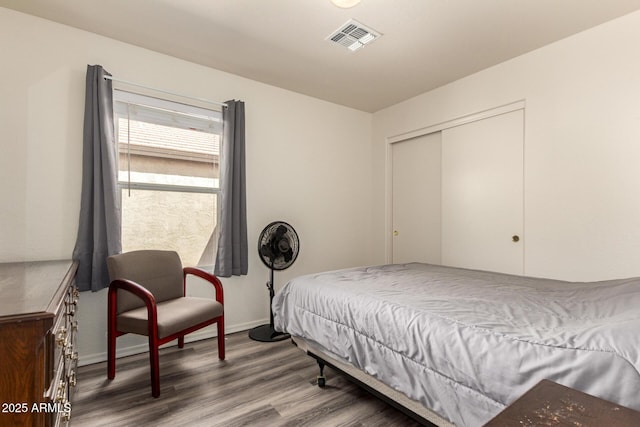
[{"x": 345, "y": 4}]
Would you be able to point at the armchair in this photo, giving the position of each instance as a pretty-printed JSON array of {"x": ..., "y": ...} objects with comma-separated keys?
[{"x": 147, "y": 296}]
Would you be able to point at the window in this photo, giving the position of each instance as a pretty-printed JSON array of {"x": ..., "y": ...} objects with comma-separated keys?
[{"x": 168, "y": 173}]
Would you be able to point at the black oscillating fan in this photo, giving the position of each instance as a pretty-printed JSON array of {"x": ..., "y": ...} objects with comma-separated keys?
[{"x": 278, "y": 247}]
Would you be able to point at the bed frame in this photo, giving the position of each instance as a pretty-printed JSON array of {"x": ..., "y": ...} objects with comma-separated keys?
[{"x": 382, "y": 391}]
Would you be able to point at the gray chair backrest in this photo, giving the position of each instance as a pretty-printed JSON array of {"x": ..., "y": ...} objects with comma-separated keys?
[{"x": 158, "y": 271}]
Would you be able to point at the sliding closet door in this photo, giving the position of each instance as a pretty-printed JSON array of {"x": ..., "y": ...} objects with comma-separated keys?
[
  {"x": 483, "y": 193},
  {"x": 416, "y": 199}
]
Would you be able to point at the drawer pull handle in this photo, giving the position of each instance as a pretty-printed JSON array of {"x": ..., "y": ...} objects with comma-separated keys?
[
  {"x": 60, "y": 394},
  {"x": 72, "y": 379},
  {"x": 71, "y": 355},
  {"x": 61, "y": 338},
  {"x": 71, "y": 307}
]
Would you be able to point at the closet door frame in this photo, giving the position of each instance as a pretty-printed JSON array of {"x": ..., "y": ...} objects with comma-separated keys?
[{"x": 507, "y": 108}]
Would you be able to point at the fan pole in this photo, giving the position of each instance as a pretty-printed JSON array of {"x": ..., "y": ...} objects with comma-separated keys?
[
  {"x": 271, "y": 295},
  {"x": 267, "y": 333}
]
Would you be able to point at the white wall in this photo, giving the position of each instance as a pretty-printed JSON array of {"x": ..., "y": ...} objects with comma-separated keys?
[
  {"x": 318, "y": 165},
  {"x": 582, "y": 148},
  {"x": 308, "y": 161}
]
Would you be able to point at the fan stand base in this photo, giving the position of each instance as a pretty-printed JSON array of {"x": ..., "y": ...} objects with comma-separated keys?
[{"x": 266, "y": 333}]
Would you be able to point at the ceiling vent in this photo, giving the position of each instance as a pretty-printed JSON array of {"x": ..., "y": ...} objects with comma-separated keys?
[{"x": 353, "y": 35}]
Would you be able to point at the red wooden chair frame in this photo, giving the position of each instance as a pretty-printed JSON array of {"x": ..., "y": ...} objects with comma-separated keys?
[{"x": 152, "y": 320}]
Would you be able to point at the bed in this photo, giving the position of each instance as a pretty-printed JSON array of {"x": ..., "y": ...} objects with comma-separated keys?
[{"x": 463, "y": 344}]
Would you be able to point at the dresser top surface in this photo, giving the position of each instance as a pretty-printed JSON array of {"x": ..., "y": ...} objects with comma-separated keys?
[
  {"x": 30, "y": 287},
  {"x": 552, "y": 404}
]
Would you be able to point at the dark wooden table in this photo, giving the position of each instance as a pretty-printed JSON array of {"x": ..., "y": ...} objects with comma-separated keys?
[{"x": 552, "y": 404}]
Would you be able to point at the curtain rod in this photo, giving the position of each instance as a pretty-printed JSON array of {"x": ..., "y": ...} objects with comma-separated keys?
[{"x": 222, "y": 104}]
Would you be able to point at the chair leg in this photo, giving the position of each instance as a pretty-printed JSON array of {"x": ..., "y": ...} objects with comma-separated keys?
[
  {"x": 155, "y": 366},
  {"x": 221, "y": 339},
  {"x": 181, "y": 342},
  {"x": 111, "y": 356},
  {"x": 111, "y": 346}
]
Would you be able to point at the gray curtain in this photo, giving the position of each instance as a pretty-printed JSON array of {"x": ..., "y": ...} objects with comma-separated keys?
[
  {"x": 99, "y": 225},
  {"x": 232, "y": 256}
]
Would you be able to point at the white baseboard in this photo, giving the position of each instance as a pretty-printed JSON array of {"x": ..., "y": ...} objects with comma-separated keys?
[{"x": 202, "y": 334}]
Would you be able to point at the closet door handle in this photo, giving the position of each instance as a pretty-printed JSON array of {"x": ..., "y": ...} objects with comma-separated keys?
[{"x": 515, "y": 238}]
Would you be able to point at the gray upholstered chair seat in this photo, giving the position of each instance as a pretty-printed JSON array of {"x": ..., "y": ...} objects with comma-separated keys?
[{"x": 173, "y": 316}]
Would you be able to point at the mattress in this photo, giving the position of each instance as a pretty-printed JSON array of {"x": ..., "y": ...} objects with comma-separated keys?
[{"x": 466, "y": 343}]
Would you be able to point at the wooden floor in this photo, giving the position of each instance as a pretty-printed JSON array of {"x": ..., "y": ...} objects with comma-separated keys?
[{"x": 259, "y": 384}]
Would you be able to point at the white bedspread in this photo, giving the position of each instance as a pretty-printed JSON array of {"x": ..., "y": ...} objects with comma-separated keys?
[{"x": 467, "y": 343}]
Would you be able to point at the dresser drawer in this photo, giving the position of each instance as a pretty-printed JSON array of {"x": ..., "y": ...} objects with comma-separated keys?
[{"x": 58, "y": 341}]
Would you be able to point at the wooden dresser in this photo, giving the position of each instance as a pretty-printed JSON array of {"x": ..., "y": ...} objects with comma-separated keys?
[
  {"x": 552, "y": 404},
  {"x": 38, "y": 354}
]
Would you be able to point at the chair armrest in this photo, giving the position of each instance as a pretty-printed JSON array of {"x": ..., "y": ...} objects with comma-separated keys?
[
  {"x": 139, "y": 291},
  {"x": 217, "y": 284}
]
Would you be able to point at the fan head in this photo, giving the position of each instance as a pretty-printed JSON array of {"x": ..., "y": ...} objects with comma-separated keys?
[{"x": 278, "y": 245}]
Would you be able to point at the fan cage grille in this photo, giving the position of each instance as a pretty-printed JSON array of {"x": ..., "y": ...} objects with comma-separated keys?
[{"x": 266, "y": 245}]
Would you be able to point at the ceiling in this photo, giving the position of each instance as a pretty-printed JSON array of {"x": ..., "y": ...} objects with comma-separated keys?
[{"x": 425, "y": 43}]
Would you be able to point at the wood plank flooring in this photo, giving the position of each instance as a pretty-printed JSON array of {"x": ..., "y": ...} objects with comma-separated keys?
[{"x": 259, "y": 384}]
